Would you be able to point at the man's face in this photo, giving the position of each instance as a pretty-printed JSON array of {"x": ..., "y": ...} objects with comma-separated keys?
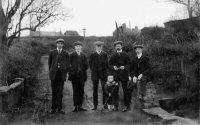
[
  {"x": 118, "y": 47},
  {"x": 110, "y": 78},
  {"x": 138, "y": 50},
  {"x": 78, "y": 48},
  {"x": 59, "y": 45},
  {"x": 99, "y": 48}
]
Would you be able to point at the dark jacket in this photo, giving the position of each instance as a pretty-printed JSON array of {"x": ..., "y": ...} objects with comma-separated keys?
[
  {"x": 120, "y": 60},
  {"x": 99, "y": 66},
  {"x": 78, "y": 67},
  {"x": 140, "y": 66},
  {"x": 54, "y": 59}
]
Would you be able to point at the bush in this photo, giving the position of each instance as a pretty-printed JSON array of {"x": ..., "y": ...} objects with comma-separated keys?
[
  {"x": 153, "y": 33},
  {"x": 23, "y": 61},
  {"x": 108, "y": 47},
  {"x": 48, "y": 43},
  {"x": 89, "y": 46},
  {"x": 176, "y": 64}
]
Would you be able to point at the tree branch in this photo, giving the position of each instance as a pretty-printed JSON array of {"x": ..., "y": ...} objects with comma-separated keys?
[
  {"x": 39, "y": 13},
  {"x": 13, "y": 10}
]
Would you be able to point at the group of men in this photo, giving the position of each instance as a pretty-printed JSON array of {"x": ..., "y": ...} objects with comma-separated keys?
[{"x": 76, "y": 64}]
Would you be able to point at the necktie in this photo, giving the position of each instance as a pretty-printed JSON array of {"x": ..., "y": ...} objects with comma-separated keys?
[{"x": 59, "y": 51}]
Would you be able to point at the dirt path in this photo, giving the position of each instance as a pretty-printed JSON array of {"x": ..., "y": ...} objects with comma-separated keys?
[
  {"x": 99, "y": 117},
  {"x": 90, "y": 117}
]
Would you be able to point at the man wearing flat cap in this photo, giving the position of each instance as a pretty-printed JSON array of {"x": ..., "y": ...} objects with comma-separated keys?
[
  {"x": 119, "y": 66},
  {"x": 58, "y": 63},
  {"x": 99, "y": 67},
  {"x": 78, "y": 75},
  {"x": 140, "y": 70}
]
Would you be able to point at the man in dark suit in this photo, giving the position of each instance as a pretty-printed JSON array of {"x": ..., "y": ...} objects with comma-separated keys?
[
  {"x": 99, "y": 66},
  {"x": 58, "y": 67},
  {"x": 119, "y": 66},
  {"x": 78, "y": 75},
  {"x": 140, "y": 70}
]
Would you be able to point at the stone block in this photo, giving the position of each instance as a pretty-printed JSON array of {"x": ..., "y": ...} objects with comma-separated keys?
[
  {"x": 11, "y": 95},
  {"x": 148, "y": 105}
]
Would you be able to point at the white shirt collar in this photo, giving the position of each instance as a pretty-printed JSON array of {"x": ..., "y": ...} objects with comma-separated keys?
[
  {"x": 79, "y": 53},
  {"x": 139, "y": 55},
  {"x": 98, "y": 52},
  {"x": 119, "y": 51},
  {"x": 59, "y": 50}
]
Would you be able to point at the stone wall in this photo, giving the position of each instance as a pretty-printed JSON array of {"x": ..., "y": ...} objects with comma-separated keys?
[
  {"x": 150, "y": 100},
  {"x": 11, "y": 95}
]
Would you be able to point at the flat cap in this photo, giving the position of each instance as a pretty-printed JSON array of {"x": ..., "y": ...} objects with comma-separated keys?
[
  {"x": 78, "y": 43},
  {"x": 118, "y": 42},
  {"x": 99, "y": 43},
  {"x": 138, "y": 46},
  {"x": 60, "y": 40}
]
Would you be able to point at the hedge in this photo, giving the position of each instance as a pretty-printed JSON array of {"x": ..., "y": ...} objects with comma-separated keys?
[{"x": 23, "y": 61}]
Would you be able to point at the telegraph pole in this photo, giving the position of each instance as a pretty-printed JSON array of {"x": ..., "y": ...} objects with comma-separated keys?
[
  {"x": 129, "y": 24},
  {"x": 84, "y": 31}
]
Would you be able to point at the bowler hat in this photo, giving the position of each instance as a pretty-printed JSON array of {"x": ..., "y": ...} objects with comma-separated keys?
[
  {"x": 60, "y": 40},
  {"x": 118, "y": 42},
  {"x": 138, "y": 46},
  {"x": 99, "y": 43},
  {"x": 78, "y": 43}
]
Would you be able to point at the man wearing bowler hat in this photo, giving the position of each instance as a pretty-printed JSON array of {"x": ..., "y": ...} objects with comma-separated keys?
[
  {"x": 99, "y": 67},
  {"x": 58, "y": 63},
  {"x": 119, "y": 65},
  {"x": 78, "y": 75},
  {"x": 140, "y": 70}
]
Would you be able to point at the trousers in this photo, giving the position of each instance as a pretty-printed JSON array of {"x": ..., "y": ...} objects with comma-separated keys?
[
  {"x": 57, "y": 91},
  {"x": 78, "y": 91}
]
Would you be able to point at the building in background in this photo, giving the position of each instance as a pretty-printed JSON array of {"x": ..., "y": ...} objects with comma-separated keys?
[
  {"x": 185, "y": 29},
  {"x": 184, "y": 25},
  {"x": 71, "y": 33},
  {"x": 127, "y": 31}
]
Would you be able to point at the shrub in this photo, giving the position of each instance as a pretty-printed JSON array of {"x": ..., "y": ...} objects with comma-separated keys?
[
  {"x": 89, "y": 47},
  {"x": 48, "y": 43},
  {"x": 153, "y": 33},
  {"x": 23, "y": 61},
  {"x": 176, "y": 64}
]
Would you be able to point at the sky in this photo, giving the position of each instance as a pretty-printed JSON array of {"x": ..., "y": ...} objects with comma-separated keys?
[{"x": 98, "y": 16}]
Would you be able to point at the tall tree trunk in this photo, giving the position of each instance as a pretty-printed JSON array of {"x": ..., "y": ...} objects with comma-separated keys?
[
  {"x": 190, "y": 12},
  {"x": 3, "y": 43},
  {"x": 1, "y": 22},
  {"x": 189, "y": 8},
  {"x": 2, "y": 25}
]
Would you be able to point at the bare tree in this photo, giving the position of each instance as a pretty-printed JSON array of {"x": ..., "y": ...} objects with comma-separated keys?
[
  {"x": 1, "y": 21},
  {"x": 192, "y": 6},
  {"x": 197, "y": 8},
  {"x": 27, "y": 15}
]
